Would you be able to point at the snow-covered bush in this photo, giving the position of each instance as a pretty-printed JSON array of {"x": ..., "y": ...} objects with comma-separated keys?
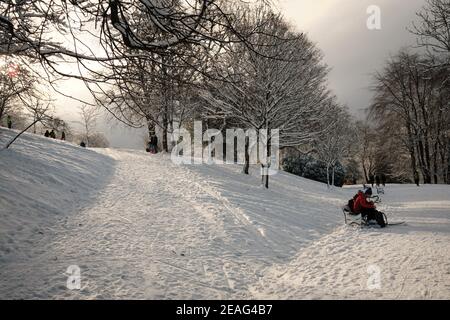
[{"x": 308, "y": 167}]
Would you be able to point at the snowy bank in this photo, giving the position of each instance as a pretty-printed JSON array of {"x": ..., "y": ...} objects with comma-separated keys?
[{"x": 43, "y": 180}]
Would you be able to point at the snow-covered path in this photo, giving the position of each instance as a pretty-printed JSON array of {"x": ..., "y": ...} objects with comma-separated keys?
[{"x": 156, "y": 230}]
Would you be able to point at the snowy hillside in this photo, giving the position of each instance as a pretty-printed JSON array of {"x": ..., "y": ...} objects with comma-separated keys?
[
  {"x": 41, "y": 182},
  {"x": 139, "y": 226}
]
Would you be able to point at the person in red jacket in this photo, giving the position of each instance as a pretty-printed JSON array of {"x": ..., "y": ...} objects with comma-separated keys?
[{"x": 367, "y": 209}]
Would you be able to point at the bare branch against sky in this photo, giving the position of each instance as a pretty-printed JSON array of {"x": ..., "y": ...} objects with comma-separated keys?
[{"x": 339, "y": 28}]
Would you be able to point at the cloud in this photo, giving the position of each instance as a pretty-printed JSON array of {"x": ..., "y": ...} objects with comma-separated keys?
[{"x": 352, "y": 50}]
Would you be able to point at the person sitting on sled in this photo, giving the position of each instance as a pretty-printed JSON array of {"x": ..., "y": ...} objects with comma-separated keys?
[{"x": 367, "y": 209}]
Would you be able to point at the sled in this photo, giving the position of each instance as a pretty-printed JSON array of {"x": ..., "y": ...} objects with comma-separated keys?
[
  {"x": 351, "y": 218},
  {"x": 355, "y": 219}
]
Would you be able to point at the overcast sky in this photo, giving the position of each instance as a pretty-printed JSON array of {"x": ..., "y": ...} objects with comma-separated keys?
[
  {"x": 339, "y": 29},
  {"x": 352, "y": 50}
]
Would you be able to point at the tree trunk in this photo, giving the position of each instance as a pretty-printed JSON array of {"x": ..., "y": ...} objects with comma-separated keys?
[
  {"x": 151, "y": 128},
  {"x": 266, "y": 168},
  {"x": 247, "y": 154},
  {"x": 87, "y": 134},
  {"x": 165, "y": 120},
  {"x": 365, "y": 171},
  {"x": 34, "y": 121},
  {"x": 442, "y": 151},
  {"x": 328, "y": 176},
  {"x": 2, "y": 108},
  {"x": 428, "y": 158},
  {"x": 435, "y": 163},
  {"x": 424, "y": 163},
  {"x": 413, "y": 162},
  {"x": 332, "y": 177},
  {"x": 165, "y": 124},
  {"x": 269, "y": 155},
  {"x": 445, "y": 159}
]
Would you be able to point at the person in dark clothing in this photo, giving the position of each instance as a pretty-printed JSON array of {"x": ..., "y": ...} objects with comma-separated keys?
[
  {"x": 152, "y": 146},
  {"x": 154, "y": 143},
  {"x": 52, "y": 134},
  {"x": 367, "y": 209},
  {"x": 47, "y": 134},
  {"x": 82, "y": 144},
  {"x": 63, "y": 136},
  {"x": 416, "y": 178},
  {"x": 9, "y": 121}
]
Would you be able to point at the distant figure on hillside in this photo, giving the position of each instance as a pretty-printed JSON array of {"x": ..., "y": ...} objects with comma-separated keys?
[
  {"x": 52, "y": 134},
  {"x": 82, "y": 144},
  {"x": 9, "y": 121},
  {"x": 47, "y": 133},
  {"x": 383, "y": 180},
  {"x": 416, "y": 178},
  {"x": 63, "y": 136}
]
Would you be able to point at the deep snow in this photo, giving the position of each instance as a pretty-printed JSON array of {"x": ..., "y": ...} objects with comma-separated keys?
[{"x": 139, "y": 226}]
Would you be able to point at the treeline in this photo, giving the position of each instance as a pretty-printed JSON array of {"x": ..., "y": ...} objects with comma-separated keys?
[
  {"x": 229, "y": 64},
  {"x": 239, "y": 64},
  {"x": 274, "y": 78},
  {"x": 410, "y": 108}
]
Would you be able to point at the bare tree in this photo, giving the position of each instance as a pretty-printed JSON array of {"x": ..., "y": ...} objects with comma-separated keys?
[
  {"x": 433, "y": 34},
  {"x": 335, "y": 144},
  {"x": 153, "y": 91},
  {"x": 433, "y": 29},
  {"x": 286, "y": 91},
  {"x": 89, "y": 117},
  {"x": 15, "y": 82},
  {"x": 162, "y": 32},
  {"x": 365, "y": 137},
  {"x": 412, "y": 93},
  {"x": 96, "y": 140},
  {"x": 59, "y": 29},
  {"x": 40, "y": 114}
]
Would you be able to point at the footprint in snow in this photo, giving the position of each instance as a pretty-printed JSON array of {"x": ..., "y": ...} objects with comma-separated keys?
[{"x": 181, "y": 254}]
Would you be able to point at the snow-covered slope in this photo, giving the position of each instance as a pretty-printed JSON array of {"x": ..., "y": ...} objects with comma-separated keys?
[
  {"x": 42, "y": 181},
  {"x": 413, "y": 260},
  {"x": 148, "y": 228}
]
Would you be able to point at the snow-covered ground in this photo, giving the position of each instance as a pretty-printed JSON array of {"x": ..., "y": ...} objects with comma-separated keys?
[{"x": 139, "y": 226}]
